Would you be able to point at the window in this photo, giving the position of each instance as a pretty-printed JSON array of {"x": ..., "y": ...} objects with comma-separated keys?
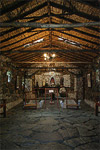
[
  {"x": 17, "y": 82},
  {"x": 97, "y": 75},
  {"x": 9, "y": 74},
  {"x": 22, "y": 81}
]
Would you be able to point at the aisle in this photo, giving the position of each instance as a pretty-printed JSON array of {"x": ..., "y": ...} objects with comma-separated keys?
[{"x": 49, "y": 129}]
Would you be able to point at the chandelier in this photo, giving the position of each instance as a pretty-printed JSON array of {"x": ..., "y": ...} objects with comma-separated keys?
[{"x": 48, "y": 56}]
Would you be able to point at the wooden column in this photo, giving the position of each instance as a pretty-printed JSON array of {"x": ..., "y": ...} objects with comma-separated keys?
[{"x": 83, "y": 88}]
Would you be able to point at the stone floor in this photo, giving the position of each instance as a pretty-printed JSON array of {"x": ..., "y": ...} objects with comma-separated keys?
[{"x": 50, "y": 128}]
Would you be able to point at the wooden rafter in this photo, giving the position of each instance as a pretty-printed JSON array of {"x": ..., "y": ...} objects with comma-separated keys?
[
  {"x": 78, "y": 13},
  {"x": 13, "y": 6},
  {"x": 73, "y": 21},
  {"x": 81, "y": 38},
  {"x": 93, "y": 3}
]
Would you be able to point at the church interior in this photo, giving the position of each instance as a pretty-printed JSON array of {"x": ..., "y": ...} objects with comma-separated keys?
[{"x": 50, "y": 74}]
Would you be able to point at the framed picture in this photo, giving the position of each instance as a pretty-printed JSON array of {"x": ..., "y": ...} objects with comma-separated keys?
[{"x": 89, "y": 80}]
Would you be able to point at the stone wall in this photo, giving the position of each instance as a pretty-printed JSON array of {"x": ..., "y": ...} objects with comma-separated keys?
[
  {"x": 13, "y": 91},
  {"x": 8, "y": 89},
  {"x": 92, "y": 84},
  {"x": 57, "y": 76},
  {"x": 46, "y": 77}
]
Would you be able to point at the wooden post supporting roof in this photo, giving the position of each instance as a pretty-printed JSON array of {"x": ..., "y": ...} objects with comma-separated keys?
[{"x": 42, "y": 25}]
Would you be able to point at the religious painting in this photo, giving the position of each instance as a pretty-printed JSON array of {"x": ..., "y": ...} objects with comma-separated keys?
[{"x": 52, "y": 81}]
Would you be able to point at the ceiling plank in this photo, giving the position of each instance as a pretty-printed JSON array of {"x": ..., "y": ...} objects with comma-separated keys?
[
  {"x": 85, "y": 54},
  {"x": 18, "y": 34},
  {"x": 73, "y": 21},
  {"x": 83, "y": 39},
  {"x": 12, "y": 6},
  {"x": 14, "y": 29},
  {"x": 78, "y": 13},
  {"x": 20, "y": 16},
  {"x": 18, "y": 41},
  {"x": 93, "y": 3}
]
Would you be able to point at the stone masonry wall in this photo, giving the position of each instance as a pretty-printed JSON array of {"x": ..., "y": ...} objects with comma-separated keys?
[
  {"x": 57, "y": 76},
  {"x": 9, "y": 90},
  {"x": 92, "y": 89}
]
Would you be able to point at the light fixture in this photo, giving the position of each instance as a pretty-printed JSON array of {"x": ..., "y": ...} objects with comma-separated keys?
[
  {"x": 49, "y": 56},
  {"x": 53, "y": 55},
  {"x": 45, "y": 55}
]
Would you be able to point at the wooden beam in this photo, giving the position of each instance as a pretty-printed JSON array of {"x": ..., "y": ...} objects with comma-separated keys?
[
  {"x": 49, "y": 17},
  {"x": 39, "y": 16},
  {"x": 29, "y": 30},
  {"x": 49, "y": 67},
  {"x": 50, "y": 51},
  {"x": 74, "y": 21},
  {"x": 75, "y": 11},
  {"x": 81, "y": 38},
  {"x": 43, "y": 25},
  {"x": 18, "y": 34},
  {"x": 45, "y": 62},
  {"x": 85, "y": 55},
  {"x": 12, "y": 6},
  {"x": 94, "y": 3},
  {"x": 63, "y": 45},
  {"x": 18, "y": 46},
  {"x": 26, "y": 13}
]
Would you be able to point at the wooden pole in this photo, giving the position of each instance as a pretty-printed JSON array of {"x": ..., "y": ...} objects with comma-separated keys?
[
  {"x": 42, "y": 25},
  {"x": 51, "y": 51},
  {"x": 49, "y": 67},
  {"x": 52, "y": 62}
]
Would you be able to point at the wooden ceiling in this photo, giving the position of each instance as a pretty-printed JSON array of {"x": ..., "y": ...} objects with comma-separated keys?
[{"x": 26, "y": 44}]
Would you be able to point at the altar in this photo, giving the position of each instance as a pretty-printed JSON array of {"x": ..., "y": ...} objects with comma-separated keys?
[{"x": 53, "y": 93}]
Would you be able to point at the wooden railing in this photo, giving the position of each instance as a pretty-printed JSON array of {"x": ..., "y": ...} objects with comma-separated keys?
[{"x": 3, "y": 105}]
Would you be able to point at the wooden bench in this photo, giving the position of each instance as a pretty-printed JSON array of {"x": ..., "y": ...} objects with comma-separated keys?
[
  {"x": 97, "y": 104},
  {"x": 30, "y": 106},
  {"x": 30, "y": 96},
  {"x": 4, "y": 107},
  {"x": 71, "y": 103}
]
